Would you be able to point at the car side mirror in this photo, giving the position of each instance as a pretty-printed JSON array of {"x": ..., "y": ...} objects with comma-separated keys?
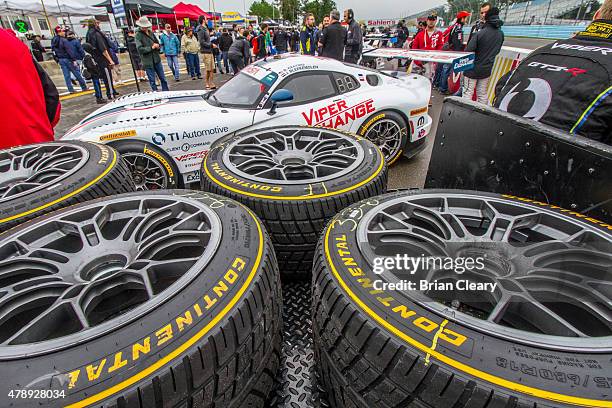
[{"x": 281, "y": 95}]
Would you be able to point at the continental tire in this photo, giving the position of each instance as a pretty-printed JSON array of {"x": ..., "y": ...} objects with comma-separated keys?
[
  {"x": 295, "y": 179},
  {"x": 150, "y": 167},
  {"x": 542, "y": 338},
  {"x": 40, "y": 178},
  {"x": 389, "y": 131},
  {"x": 148, "y": 299}
]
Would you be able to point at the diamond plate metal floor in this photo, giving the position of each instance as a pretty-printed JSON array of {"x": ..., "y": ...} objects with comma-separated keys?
[{"x": 296, "y": 382}]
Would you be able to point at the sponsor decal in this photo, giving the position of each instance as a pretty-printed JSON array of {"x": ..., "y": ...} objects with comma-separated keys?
[
  {"x": 118, "y": 135},
  {"x": 161, "y": 138},
  {"x": 463, "y": 63},
  {"x": 421, "y": 121},
  {"x": 574, "y": 71},
  {"x": 152, "y": 344},
  {"x": 193, "y": 177},
  {"x": 270, "y": 78},
  {"x": 586, "y": 48},
  {"x": 598, "y": 29},
  {"x": 388, "y": 22},
  {"x": 255, "y": 186},
  {"x": 420, "y": 111},
  {"x": 541, "y": 102},
  {"x": 338, "y": 114},
  {"x": 161, "y": 159},
  {"x": 185, "y": 147},
  {"x": 191, "y": 156}
]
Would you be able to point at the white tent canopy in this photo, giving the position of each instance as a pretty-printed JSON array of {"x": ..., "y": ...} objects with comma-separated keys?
[{"x": 51, "y": 8}]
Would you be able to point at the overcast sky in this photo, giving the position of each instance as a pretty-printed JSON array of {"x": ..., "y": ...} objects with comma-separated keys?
[{"x": 364, "y": 9}]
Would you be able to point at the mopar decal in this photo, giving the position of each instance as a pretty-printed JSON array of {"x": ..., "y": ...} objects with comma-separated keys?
[
  {"x": 118, "y": 135},
  {"x": 338, "y": 114},
  {"x": 125, "y": 359}
]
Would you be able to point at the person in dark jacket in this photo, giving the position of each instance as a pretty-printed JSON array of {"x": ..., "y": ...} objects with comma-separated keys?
[
  {"x": 402, "y": 34},
  {"x": 239, "y": 51},
  {"x": 225, "y": 42},
  {"x": 67, "y": 59},
  {"x": 308, "y": 32},
  {"x": 294, "y": 41},
  {"x": 38, "y": 51},
  {"x": 102, "y": 55},
  {"x": 322, "y": 26},
  {"x": 333, "y": 38},
  {"x": 486, "y": 44},
  {"x": 354, "y": 38},
  {"x": 454, "y": 42},
  {"x": 94, "y": 71},
  {"x": 566, "y": 84},
  {"x": 206, "y": 49},
  {"x": 484, "y": 9},
  {"x": 148, "y": 47},
  {"x": 281, "y": 41},
  {"x": 133, "y": 50}
]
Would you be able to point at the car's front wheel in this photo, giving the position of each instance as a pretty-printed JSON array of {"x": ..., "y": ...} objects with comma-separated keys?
[
  {"x": 389, "y": 131},
  {"x": 151, "y": 168}
]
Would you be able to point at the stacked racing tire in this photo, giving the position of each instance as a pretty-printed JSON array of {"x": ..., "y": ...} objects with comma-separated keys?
[
  {"x": 39, "y": 178},
  {"x": 295, "y": 179},
  {"x": 541, "y": 338},
  {"x": 148, "y": 299}
]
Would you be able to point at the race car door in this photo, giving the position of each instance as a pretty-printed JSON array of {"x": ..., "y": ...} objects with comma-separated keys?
[{"x": 319, "y": 99}]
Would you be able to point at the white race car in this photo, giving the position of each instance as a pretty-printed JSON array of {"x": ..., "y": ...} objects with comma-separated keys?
[{"x": 164, "y": 135}]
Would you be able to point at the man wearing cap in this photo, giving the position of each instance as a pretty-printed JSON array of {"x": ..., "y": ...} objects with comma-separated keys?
[
  {"x": 333, "y": 38},
  {"x": 429, "y": 39},
  {"x": 454, "y": 42},
  {"x": 67, "y": 59},
  {"x": 101, "y": 53},
  {"x": 148, "y": 48}
]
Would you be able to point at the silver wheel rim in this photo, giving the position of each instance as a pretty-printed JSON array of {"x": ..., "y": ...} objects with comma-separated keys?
[
  {"x": 293, "y": 155},
  {"x": 95, "y": 268},
  {"x": 554, "y": 273},
  {"x": 24, "y": 170},
  {"x": 387, "y": 135},
  {"x": 147, "y": 172}
]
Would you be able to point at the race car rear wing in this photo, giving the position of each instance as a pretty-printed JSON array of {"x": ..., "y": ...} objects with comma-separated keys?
[{"x": 462, "y": 61}]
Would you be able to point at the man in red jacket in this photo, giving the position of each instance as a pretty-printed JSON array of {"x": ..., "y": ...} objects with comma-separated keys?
[
  {"x": 31, "y": 102},
  {"x": 429, "y": 39}
]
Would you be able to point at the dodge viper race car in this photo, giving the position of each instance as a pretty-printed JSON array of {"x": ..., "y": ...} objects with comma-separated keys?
[{"x": 164, "y": 135}]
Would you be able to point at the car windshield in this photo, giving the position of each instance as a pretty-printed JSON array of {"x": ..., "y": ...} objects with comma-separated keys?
[{"x": 240, "y": 91}]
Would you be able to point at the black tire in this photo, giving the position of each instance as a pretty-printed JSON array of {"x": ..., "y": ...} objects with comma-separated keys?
[
  {"x": 399, "y": 120},
  {"x": 211, "y": 339},
  {"x": 91, "y": 171},
  {"x": 378, "y": 347},
  {"x": 295, "y": 214},
  {"x": 164, "y": 163}
]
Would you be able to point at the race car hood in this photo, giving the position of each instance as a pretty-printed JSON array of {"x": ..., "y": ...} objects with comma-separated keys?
[{"x": 141, "y": 109}]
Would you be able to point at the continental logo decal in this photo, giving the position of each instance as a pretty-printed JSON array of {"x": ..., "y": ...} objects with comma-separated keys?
[
  {"x": 118, "y": 135},
  {"x": 161, "y": 159},
  {"x": 104, "y": 154},
  {"x": 417, "y": 112},
  {"x": 254, "y": 186},
  {"x": 563, "y": 210},
  {"x": 365, "y": 127},
  {"x": 394, "y": 306},
  {"x": 152, "y": 344}
]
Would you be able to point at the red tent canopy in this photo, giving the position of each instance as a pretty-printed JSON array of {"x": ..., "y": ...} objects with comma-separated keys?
[{"x": 184, "y": 10}]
